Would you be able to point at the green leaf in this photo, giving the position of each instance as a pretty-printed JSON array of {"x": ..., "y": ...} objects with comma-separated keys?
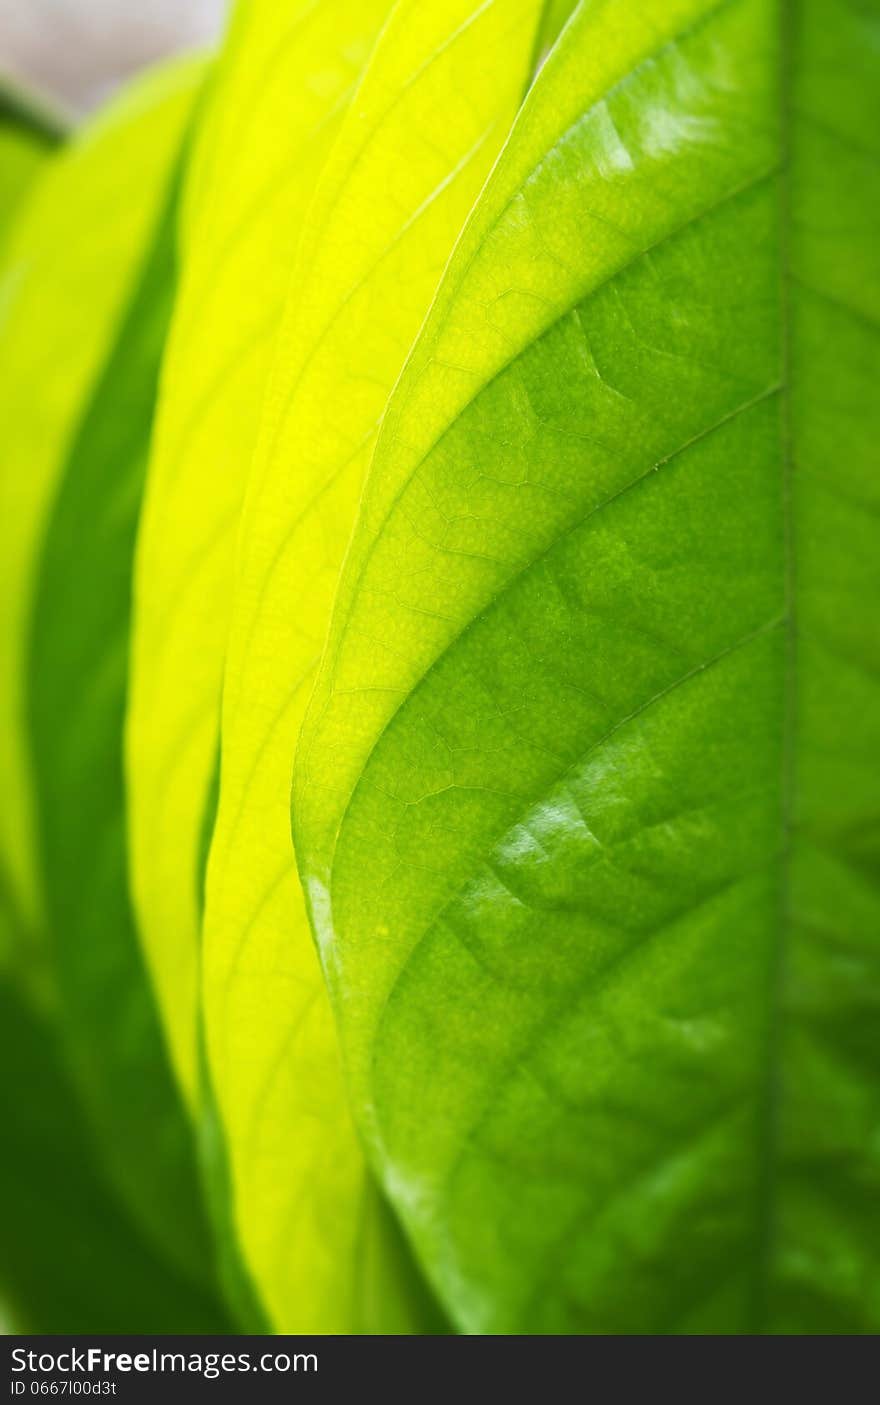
[
  {"x": 415, "y": 147},
  {"x": 21, "y": 158},
  {"x": 556, "y": 14},
  {"x": 65, "y": 277},
  {"x": 76, "y": 626},
  {"x": 288, "y": 69},
  {"x": 586, "y": 800},
  {"x": 28, "y": 134},
  {"x": 70, "y": 1260},
  {"x": 77, "y": 692}
]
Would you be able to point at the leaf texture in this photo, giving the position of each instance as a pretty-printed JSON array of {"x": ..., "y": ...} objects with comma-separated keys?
[
  {"x": 414, "y": 149},
  {"x": 585, "y": 804},
  {"x": 273, "y": 109}
]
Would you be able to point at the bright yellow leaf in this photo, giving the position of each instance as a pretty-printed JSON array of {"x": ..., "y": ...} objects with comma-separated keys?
[
  {"x": 428, "y": 120},
  {"x": 273, "y": 109}
]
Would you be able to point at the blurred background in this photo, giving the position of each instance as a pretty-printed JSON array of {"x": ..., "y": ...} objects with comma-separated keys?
[
  {"x": 67, "y": 56},
  {"x": 72, "y": 53}
]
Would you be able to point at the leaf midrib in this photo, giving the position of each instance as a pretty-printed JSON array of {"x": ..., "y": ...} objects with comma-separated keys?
[
  {"x": 561, "y": 313},
  {"x": 566, "y": 311}
]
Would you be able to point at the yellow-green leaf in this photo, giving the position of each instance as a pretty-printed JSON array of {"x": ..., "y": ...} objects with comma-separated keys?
[
  {"x": 75, "y": 627},
  {"x": 427, "y": 122},
  {"x": 67, "y": 270},
  {"x": 273, "y": 109},
  {"x": 587, "y": 800},
  {"x": 27, "y": 137}
]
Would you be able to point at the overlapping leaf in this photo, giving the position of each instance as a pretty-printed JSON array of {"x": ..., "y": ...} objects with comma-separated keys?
[
  {"x": 69, "y": 264},
  {"x": 586, "y": 801},
  {"x": 573, "y": 450},
  {"x": 70, "y": 1260},
  {"x": 79, "y": 428},
  {"x": 273, "y": 109},
  {"x": 414, "y": 149}
]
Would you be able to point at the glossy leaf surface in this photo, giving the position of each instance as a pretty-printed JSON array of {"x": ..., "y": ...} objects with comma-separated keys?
[{"x": 586, "y": 800}]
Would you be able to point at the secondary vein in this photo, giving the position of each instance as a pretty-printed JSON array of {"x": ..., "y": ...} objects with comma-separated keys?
[{"x": 769, "y": 1134}]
